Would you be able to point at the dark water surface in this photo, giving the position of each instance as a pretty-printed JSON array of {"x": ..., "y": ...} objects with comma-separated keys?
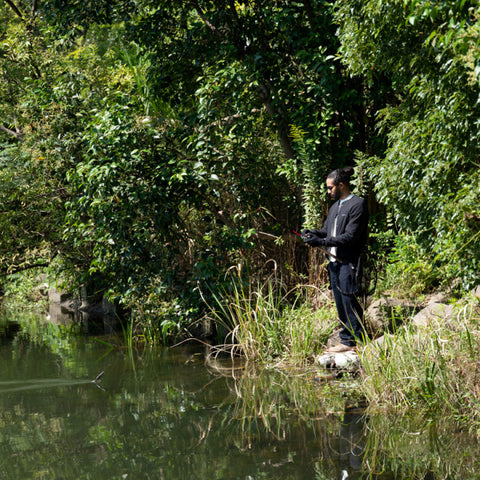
[{"x": 168, "y": 414}]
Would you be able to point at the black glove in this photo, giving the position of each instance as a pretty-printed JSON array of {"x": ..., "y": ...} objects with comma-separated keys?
[{"x": 313, "y": 240}]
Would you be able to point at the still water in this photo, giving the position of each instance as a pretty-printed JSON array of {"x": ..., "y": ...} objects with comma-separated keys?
[{"x": 172, "y": 413}]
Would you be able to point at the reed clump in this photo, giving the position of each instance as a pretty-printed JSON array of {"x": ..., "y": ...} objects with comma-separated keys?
[{"x": 265, "y": 322}]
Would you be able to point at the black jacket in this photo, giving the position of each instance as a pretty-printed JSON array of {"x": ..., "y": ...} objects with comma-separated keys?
[{"x": 352, "y": 229}]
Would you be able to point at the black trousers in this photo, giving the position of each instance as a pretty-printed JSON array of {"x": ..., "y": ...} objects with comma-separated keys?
[{"x": 350, "y": 312}]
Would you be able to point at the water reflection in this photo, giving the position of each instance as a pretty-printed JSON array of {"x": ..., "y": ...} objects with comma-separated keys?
[
  {"x": 352, "y": 442},
  {"x": 93, "y": 314},
  {"x": 175, "y": 414}
]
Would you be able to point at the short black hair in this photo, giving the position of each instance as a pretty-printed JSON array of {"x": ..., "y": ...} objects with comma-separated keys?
[{"x": 341, "y": 175}]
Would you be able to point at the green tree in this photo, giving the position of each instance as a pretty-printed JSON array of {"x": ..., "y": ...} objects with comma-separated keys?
[
  {"x": 31, "y": 196},
  {"x": 428, "y": 176},
  {"x": 159, "y": 135}
]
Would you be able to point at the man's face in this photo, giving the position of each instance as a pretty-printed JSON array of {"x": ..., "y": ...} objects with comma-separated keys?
[{"x": 333, "y": 190}]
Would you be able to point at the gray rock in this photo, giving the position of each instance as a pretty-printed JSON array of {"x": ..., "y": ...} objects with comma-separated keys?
[
  {"x": 476, "y": 292},
  {"x": 334, "y": 338},
  {"x": 433, "y": 313},
  {"x": 345, "y": 361},
  {"x": 387, "y": 313}
]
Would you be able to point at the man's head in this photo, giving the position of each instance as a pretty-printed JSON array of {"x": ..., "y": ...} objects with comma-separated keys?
[{"x": 338, "y": 183}]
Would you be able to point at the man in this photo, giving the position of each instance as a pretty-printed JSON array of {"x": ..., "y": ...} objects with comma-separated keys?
[{"x": 344, "y": 235}]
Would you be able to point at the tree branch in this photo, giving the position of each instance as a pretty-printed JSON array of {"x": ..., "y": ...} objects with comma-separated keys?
[
  {"x": 212, "y": 27},
  {"x": 11, "y": 271},
  {"x": 16, "y": 134},
  {"x": 15, "y": 9},
  {"x": 229, "y": 119},
  {"x": 279, "y": 120}
]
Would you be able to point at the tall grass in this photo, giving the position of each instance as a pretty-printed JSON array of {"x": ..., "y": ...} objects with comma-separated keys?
[
  {"x": 266, "y": 323},
  {"x": 434, "y": 369}
]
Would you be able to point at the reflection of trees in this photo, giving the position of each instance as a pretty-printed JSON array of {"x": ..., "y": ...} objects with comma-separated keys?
[
  {"x": 173, "y": 418},
  {"x": 170, "y": 418},
  {"x": 291, "y": 411}
]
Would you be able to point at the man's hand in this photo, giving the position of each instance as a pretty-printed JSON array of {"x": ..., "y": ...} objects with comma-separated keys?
[{"x": 312, "y": 239}]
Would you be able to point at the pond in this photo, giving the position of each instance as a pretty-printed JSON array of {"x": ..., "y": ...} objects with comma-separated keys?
[{"x": 178, "y": 413}]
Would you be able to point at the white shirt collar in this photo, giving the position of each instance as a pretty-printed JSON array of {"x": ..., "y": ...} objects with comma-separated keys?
[{"x": 345, "y": 199}]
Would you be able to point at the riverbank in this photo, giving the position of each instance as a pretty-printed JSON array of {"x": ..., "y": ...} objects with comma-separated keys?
[
  {"x": 423, "y": 359},
  {"x": 426, "y": 362}
]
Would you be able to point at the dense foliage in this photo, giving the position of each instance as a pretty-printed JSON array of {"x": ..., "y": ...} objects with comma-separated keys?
[
  {"x": 428, "y": 176},
  {"x": 146, "y": 147}
]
